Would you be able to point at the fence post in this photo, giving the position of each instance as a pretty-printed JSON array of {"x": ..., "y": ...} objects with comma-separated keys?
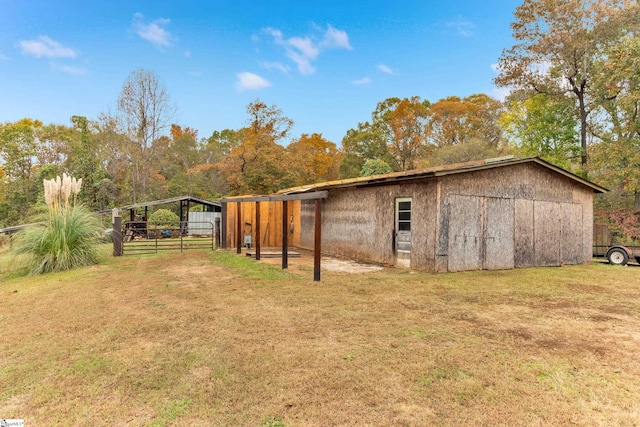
[
  {"x": 217, "y": 233},
  {"x": 116, "y": 236}
]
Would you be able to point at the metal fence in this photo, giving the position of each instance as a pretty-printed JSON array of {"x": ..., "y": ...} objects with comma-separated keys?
[{"x": 140, "y": 237}]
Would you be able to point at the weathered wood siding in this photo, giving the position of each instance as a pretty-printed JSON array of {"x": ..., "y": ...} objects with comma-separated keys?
[
  {"x": 270, "y": 223},
  {"x": 547, "y": 226},
  {"x": 359, "y": 223},
  {"x": 519, "y": 215},
  {"x": 465, "y": 236},
  {"x": 523, "y": 233},
  {"x": 526, "y": 215},
  {"x": 499, "y": 234}
]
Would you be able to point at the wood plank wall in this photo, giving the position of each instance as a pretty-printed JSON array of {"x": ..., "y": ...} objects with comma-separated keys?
[{"x": 270, "y": 223}]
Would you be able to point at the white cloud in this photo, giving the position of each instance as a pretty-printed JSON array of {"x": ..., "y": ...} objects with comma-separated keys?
[
  {"x": 276, "y": 66},
  {"x": 250, "y": 81},
  {"x": 304, "y": 50},
  {"x": 363, "y": 81},
  {"x": 303, "y": 63},
  {"x": 154, "y": 32},
  {"x": 195, "y": 73},
  {"x": 69, "y": 69},
  {"x": 462, "y": 26},
  {"x": 187, "y": 53},
  {"x": 305, "y": 46},
  {"x": 385, "y": 69},
  {"x": 44, "y": 46},
  {"x": 336, "y": 39}
]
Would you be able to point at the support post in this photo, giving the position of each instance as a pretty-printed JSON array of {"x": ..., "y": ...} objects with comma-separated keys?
[
  {"x": 258, "y": 231},
  {"x": 285, "y": 234},
  {"x": 186, "y": 218},
  {"x": 317, "y": 241},
  {"x": 224, "y": 224},
  {"x": 238, "y": 229}
]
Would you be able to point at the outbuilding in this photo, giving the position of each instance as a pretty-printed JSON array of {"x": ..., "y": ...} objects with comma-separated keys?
[{"x": 492, "y": 214}]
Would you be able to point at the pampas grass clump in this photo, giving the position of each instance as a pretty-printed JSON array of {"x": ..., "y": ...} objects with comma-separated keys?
[{"x": 67, "y": 235}]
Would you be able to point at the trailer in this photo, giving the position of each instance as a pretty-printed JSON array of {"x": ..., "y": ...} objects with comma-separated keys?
[{"x": 605, "y": 245}]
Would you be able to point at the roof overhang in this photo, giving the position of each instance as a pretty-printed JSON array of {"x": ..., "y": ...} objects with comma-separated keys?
[{"x": 278, "y": 197}]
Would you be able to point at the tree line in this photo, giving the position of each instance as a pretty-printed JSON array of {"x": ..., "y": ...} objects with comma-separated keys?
[{"x": 574, "y": 95}]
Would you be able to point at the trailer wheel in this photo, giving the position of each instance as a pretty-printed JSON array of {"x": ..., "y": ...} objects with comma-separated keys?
[{"x": 617, "y": 256}]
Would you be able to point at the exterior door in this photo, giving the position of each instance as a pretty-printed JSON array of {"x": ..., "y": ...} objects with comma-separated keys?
[
  {"x": 403, "y": 232},
  {"x": 465, "y": 233},
  {"x": 480, "y": 233}
]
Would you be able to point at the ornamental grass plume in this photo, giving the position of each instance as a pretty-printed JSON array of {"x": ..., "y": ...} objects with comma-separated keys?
[{"x": 67, "y": 235}]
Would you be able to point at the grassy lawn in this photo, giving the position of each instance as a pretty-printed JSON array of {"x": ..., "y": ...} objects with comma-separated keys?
[{"x": 203, "y": 338}]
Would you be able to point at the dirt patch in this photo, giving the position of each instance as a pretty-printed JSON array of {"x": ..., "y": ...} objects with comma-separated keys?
[
  {"x": 341, "y": 265},
  {"x": 347, "y": 266}
]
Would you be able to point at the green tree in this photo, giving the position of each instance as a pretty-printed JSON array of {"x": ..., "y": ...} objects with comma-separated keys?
[
  {"x": 375, "y": 167},
  {"x": 540, "y": 126},
  {"x": 115, "y": 188},
  {"x": 18, "y": 149},
  {"x": 85, "y": 160},
  {"x": 359, "y": 145}
]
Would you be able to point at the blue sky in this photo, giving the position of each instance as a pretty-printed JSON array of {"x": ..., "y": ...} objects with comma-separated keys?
[{"x": 325, "y": 64}]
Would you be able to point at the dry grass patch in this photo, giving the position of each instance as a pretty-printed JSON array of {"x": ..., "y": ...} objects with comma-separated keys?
[{"x": 216, "y": 339}]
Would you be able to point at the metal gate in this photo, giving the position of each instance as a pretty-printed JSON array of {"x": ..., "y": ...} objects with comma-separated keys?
[{"x": 140, "y": 237}]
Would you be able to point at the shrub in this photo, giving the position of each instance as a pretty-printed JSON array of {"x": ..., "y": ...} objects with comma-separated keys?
[
  {"x": 164, "y": 218},
  {"x": 375, "y": 167},
  {"x": 66, "y": 234}
]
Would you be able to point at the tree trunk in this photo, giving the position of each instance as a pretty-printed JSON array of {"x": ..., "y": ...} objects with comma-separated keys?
[{"x": 583, "y": 127}]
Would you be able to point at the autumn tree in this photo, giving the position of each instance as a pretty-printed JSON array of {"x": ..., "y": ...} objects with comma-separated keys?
[
  {"x": 311, "y": 159},
  {"x": 402, "y": 124},
  {"x": 145, "y": 111},
  {"x": 395, "y": 135},
  {"x": 256, "y": 164},
  {"x": 558, "y": 46},
  {"x": 473, "y": 149},
  {"x": 181, "y": 164},
  {"x": 455, "y": 121},
  {"x": 116, "y": 187}
]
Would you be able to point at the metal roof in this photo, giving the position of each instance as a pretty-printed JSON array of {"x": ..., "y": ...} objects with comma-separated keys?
[
  {"x": 165, "y": 201},
  {"x": 395, "y": 177}
]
